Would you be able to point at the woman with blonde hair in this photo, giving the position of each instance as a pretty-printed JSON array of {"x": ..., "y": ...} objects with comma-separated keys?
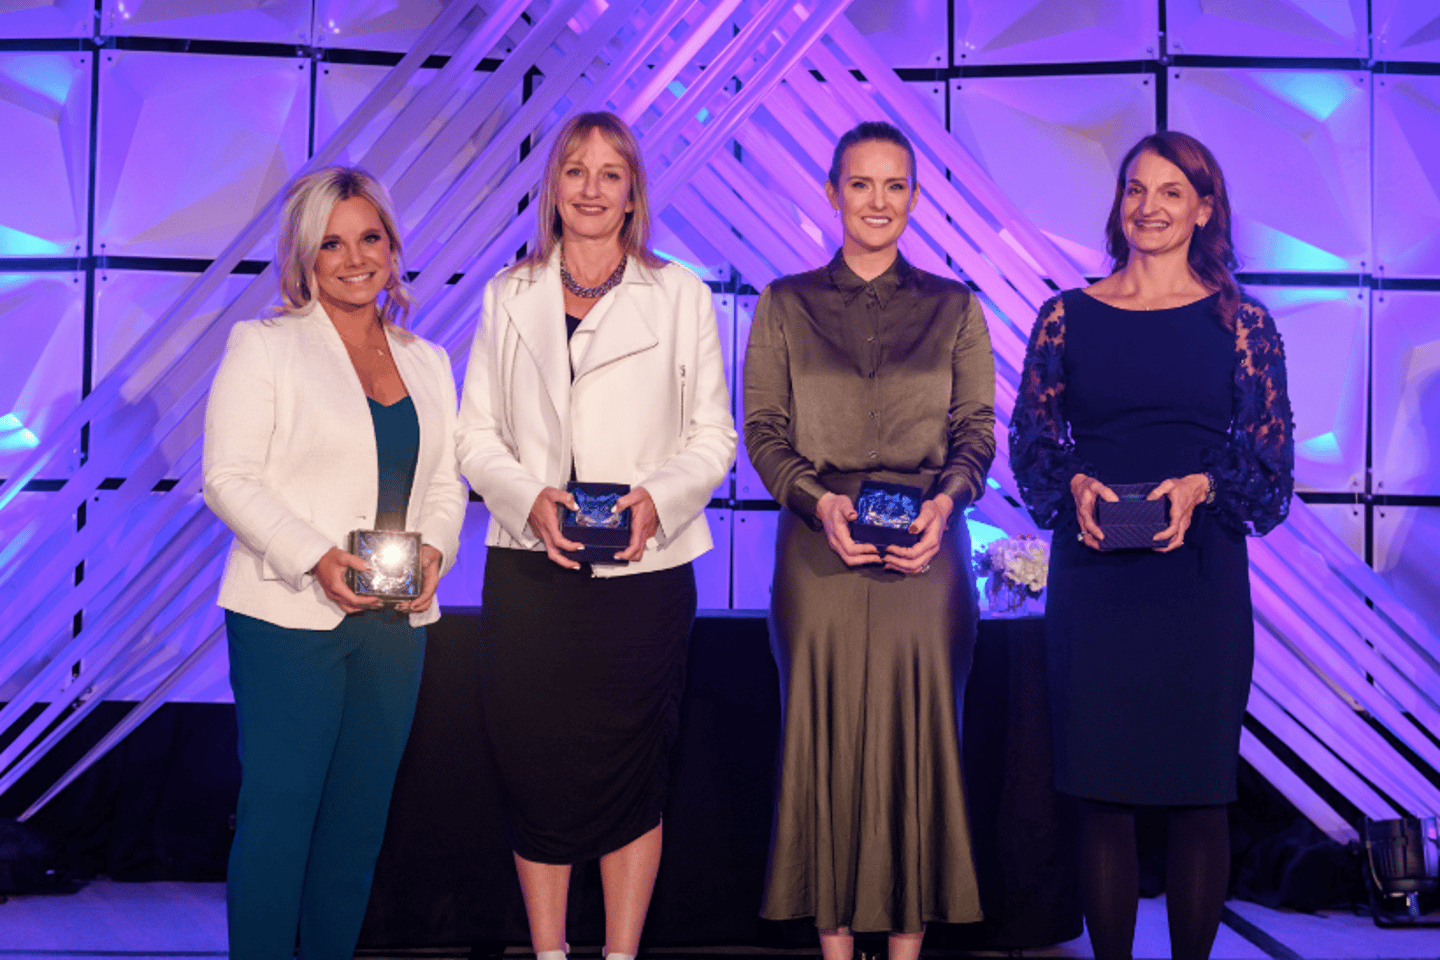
[
  {"x": 596, "y": 362},
  {"x": 324, "y": 419}
]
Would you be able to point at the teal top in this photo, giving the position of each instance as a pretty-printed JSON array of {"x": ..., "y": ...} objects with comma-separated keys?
[{"x": 397, "y": 447}]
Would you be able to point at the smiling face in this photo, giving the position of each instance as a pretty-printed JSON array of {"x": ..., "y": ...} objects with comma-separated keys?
[
  {"x": 875, "y": 195},
  {"x": 594, "y": 191},
  {"x": 354, "y": 261},
  {"x": 1160, "y": 210}
]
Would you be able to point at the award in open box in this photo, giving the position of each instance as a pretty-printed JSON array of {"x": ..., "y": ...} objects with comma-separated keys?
[
  {"x": 595, "y": 522},
  {"x": 886, "y": 512}
]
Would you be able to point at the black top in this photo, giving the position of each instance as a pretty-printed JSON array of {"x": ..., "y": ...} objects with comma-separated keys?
[{"x": 397, "y": 447}]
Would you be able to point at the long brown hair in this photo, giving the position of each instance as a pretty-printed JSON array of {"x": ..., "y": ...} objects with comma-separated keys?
[
  {"x": 635, "y": 231},
  {"x": 1211, "y": 254}
]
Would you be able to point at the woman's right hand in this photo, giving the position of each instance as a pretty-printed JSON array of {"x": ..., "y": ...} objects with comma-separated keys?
[
  {"x": 329, "y": 572},
  {"x": 1086, "y": 490},
  {"x": 545, "y": 523},
  {"x": 835, "y": 513}
]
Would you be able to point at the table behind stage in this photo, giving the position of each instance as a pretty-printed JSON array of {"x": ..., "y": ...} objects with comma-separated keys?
[{"x": 446, "y": 876}]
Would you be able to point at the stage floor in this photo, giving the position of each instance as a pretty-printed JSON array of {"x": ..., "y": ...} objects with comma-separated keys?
[{"x": 179, "y": 920}]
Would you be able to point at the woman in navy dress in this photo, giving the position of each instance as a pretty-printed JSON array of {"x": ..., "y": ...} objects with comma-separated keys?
[{"x": 1161, "y": 372}]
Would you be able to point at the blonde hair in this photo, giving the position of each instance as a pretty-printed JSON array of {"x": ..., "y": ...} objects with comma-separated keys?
[
  {"x": 635, "y": 231},
  {"x": 309, "y": 202}
]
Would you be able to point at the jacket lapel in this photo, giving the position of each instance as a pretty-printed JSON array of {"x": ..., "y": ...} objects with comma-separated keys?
[
  {"x": 619, "y": 321},
  {"x": 537, "y": 312}
]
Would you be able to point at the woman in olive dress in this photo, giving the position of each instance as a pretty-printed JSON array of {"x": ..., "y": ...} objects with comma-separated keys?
[
  {"x": 868, "y": 368},
  {"x": 1163, "y": 372}
]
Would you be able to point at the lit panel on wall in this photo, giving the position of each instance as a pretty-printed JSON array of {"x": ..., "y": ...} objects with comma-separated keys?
[
  {"x": 1406, "y": 29},
  {"x": 1406, "y": 392},
  {"x": 1053, "y": 144},
  {"x": 341, "y": 87},
  {"x": 1280, "y": 136},
  {"x": 464, "y": 584},
  {"x": 373, "y": 24},
  {"x": 1407, "y": 554},
  {"x": 753, "y": 565},
  {"x": 127, "y": 305},
  {"x": 1326, "y": 334},
  {"x": 39, "y": 19},
  {"x": 747, "y": 482},
  {"x": 45, "y": 113},
  {"x": 261, "y": 21},
  {"x": 1268, "y": 28},
  {"x": 1055, "y": 31},
  {"x": 42, "y": 324},
  {"x": 712, "y": 569},
  {"x": 905, "y": 33},
  {"x": 1346, "y": 521},
  {"x": 191, "y": 146},
  {"x": 1407, "y": 174}
]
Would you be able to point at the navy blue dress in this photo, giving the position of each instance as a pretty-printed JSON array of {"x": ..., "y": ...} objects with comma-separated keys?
[{"x": 1150, "y": 654}]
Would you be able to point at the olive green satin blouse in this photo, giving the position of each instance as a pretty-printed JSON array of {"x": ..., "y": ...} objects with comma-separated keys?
[{"x": 844, "y": 376}]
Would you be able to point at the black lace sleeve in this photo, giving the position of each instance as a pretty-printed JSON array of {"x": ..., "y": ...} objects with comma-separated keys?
[
  {"x": 1042, "y": 455},
  {"x": 1254, "y": 469}
]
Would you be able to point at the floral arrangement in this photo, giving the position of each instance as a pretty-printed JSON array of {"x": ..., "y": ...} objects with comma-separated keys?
[{"x": 1016, "y": 568}]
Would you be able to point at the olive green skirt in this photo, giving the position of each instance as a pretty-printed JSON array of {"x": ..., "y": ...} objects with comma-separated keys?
[{"x": 870, "y": 828}]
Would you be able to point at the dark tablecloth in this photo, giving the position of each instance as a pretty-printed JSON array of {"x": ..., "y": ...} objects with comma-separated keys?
[{"x": 446, "y": 876}]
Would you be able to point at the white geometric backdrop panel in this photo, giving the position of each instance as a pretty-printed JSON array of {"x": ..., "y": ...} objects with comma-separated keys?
[
  {"x": 263, "y": 21},
  {"x": 1295, "y": 147},
  {"x": 1055, "y": 31},
  {"x": 1407, "y": 175},
  {"x": 1268, "y": 28},
  {"x": 192, "y": 146},
  {"x": 1406, "y": 29},
  {"x": 1326, "y": 332},
  {"x": 44, "y": 153},
  {"x": 1053, "y": 144}
]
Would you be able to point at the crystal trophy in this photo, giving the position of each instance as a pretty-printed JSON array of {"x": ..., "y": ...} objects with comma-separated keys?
[{"x": 886, "y": 512}]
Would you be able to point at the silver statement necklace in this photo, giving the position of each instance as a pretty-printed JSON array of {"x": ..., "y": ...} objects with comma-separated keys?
[{"x": 590, "y": 293}]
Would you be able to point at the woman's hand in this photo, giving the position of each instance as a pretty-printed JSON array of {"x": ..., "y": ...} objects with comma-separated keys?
[
  {"x": 932, "y": 523},
  {"x": 545, "y": 523},
  {"x": 1086, "y": 490},
  {"x": 835, "y": 513},
  {"x": 329, "y": 572},
  {"x": 644, "y": 521},
  {"x": 1185, "y": 494},
  {"x": 429, "y": 579}
]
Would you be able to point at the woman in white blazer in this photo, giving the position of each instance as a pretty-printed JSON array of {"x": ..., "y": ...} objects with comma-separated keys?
[
  {"x": 598, "y": 362},
  {"x": 324, "y": 419}
]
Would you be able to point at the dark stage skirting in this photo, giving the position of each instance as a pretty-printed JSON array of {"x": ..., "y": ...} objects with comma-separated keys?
[
  {"x": 158, "y": 805},
  {"x": 446, "y": 875}
]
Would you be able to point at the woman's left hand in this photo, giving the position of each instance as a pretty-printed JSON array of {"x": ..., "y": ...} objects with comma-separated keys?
[
  {"x": 644, "y": 521},
  {"x": 429, "y": 578},
  {"x": 934, "y": 518},
  {"x": 1185, "y": 494}
]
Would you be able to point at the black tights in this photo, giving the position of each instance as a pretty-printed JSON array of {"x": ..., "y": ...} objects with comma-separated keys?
[{"x": 1197, "y": 874}]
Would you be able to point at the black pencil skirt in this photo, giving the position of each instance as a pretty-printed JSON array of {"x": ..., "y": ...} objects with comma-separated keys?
[{"x": 580, "y": 688}]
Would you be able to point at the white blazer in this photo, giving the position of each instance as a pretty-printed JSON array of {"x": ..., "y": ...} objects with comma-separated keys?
[
  {"x": 291, "y": 467},
  {"x": 648, "y": 406}
]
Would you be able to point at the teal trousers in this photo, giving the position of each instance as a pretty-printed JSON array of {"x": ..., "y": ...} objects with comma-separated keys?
[{"x": 323, "y": 717}]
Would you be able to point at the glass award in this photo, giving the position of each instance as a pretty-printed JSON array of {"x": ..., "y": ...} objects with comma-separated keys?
[
  {"x": 595, "y": 523},
  {"x": 886, "y": 512},
  {"x": 394, "y": 558}
]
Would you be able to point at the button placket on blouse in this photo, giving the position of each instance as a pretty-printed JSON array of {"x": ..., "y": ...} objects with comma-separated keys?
[{"x": 872, "y": 307}]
